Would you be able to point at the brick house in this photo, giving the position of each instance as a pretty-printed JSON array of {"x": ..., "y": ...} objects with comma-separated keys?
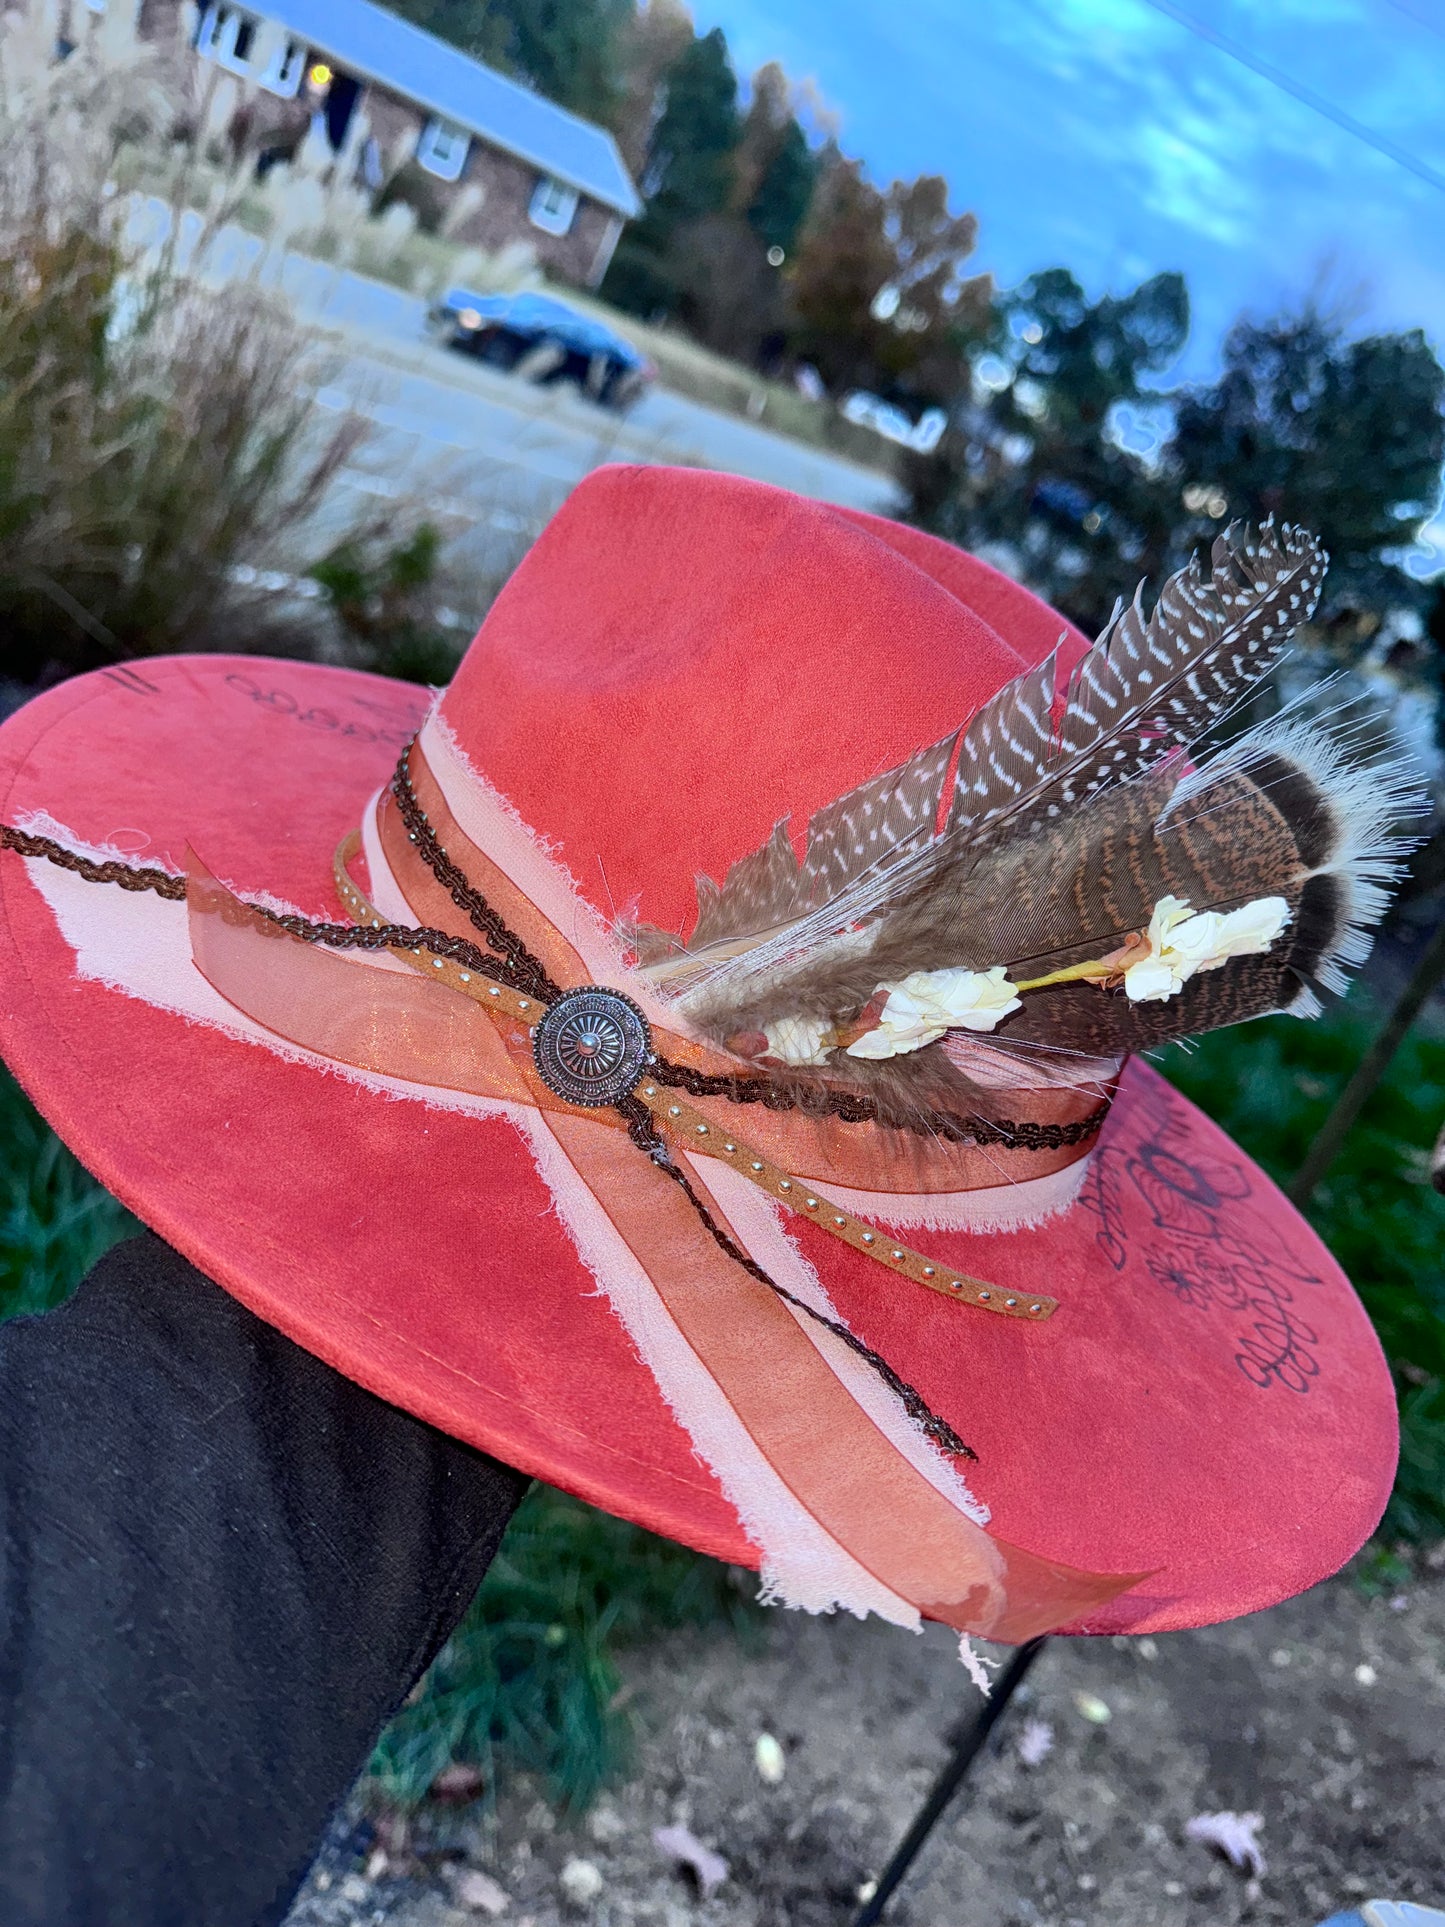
[{"x": 497, "y": 162}]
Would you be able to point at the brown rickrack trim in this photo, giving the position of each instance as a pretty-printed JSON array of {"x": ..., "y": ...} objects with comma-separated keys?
[
  {"x": 640, "y": 1127},
  {"x": 1023, "y": 1134},
  {"x": 161, "y": 881},
  {"x": 524, "y": 970},
  {"x": 333, "y": 936}
]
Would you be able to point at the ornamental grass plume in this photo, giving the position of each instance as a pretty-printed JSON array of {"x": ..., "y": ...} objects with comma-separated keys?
[{"x": 156, "y": 440}]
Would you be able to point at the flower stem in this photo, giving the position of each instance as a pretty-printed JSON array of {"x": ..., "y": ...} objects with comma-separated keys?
[{"x": 1093, "y": 972}]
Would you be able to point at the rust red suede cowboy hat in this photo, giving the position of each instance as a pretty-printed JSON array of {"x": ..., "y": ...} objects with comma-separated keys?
[{"x": 388, "y": 1170}]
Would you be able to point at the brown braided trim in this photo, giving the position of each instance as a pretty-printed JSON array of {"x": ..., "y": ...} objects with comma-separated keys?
[
  {"x": 1022, "y": 1134},
  {"x": 850, "y": 1107},
  {"x": 516, "y": 965},
  {"x": 524, "y": 971},
  {"x": 645, "y": 1135},
  {"x": 161, "y": 881},
  {"x": 334, "y": 936}
]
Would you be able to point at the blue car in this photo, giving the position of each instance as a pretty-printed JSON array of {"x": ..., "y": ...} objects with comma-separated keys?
[{"x": 544, "y": 341}]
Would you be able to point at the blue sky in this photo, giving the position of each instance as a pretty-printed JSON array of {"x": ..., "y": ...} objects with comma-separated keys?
[
  {"x": 1109, "y": 136},
  {"x": 1120, "y": 137}
]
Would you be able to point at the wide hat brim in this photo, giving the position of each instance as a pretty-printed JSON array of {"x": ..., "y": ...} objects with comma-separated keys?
[{"x": 1209, "y": 1405}]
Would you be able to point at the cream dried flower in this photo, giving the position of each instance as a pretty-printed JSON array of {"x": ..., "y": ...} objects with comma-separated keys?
[
  {"x": 799, "y": 1040},
  {"x": 1182, "y": 941},
  {"x": 921, "y": 1008}
]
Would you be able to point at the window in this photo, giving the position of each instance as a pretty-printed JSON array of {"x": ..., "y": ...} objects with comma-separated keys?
[
  {"x": 441, "y": 149},
  {"x": 228, "y": 36},
  {"x": 553, "y": 205},
  {"x": 284, "y": 69}
]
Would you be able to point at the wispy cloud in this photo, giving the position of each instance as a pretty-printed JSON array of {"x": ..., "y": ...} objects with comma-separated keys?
[{"x": 1107, "y": 135}]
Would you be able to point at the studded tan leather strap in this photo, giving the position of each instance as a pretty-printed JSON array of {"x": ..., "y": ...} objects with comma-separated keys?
[{"x": 688, "y": 1130}]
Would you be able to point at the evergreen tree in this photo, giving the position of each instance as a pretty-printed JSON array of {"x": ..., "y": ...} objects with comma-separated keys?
[
  {"x": 569, "y": 50},
  {"x": 459, "y": 21},
  {"x": 1345, "y": 436},
  {"x": 779, "y": 208},
  {"x": 728, "y": 291},
  {"x": 1034, "y": 465},
  {"x": 687, "y": 180},
  {"x": 690, "y": 163},
  {"x": 654, "y": 38},
  {"x": 774, "y": 168}
]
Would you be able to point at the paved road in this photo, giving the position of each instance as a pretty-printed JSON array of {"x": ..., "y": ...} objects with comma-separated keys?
[
  {"x": 555, "y": 434},
  {"x": 489, "y": 455},
  {"x": 477, "y": 446}
]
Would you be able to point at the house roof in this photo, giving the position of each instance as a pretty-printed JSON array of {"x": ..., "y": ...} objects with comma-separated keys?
[{"x": 376, "y": 45}]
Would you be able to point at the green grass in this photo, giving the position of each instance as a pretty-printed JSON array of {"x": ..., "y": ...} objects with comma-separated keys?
[
  {"x": 531, "y": 1677},
  {"x": 55, "y": 1220}
]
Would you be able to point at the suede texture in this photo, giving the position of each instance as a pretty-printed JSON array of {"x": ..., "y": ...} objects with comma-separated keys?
[{"x": 679, "y": 661}]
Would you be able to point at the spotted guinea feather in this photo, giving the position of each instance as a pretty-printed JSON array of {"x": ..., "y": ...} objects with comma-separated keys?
[
  {"x": 877, "y": 823},
  {"x": 761, "y": 890},
  {"x": 1150, "y": 683}
]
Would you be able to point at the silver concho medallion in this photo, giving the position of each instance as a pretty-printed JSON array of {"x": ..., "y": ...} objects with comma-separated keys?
[{"x": 591, "y": 1046}]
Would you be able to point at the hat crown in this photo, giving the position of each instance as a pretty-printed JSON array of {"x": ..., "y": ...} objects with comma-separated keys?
[{"x": 684, "y": 657}]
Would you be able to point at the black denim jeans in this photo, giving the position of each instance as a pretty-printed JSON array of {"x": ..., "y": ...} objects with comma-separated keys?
[{"x": 222, "y": 1567}]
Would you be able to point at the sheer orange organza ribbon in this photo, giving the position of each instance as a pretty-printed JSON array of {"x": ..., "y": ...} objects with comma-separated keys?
[{"x": 856, "y": 1484}]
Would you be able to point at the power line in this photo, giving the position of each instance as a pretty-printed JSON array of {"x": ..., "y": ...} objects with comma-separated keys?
[
  {"x": 1420, "y": 19},
  {"x": 1381, "y": 143}
]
